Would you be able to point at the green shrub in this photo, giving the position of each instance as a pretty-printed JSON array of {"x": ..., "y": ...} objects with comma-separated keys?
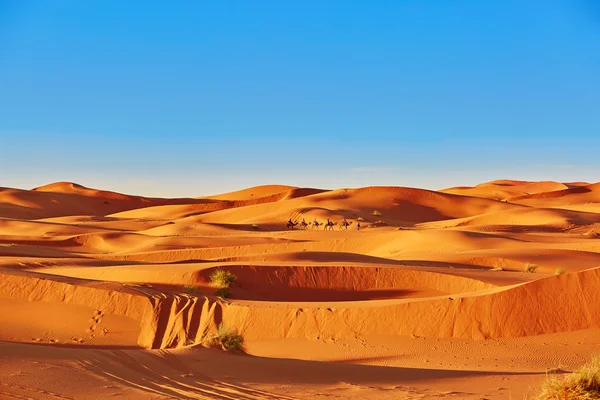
[
  {"x": 583, "y": 384},
  {"x": 376, "y": 213},
  {"x": 222, "y": 278},
  {"x": 222, "y": 293},
  {"x": 559, "y": 271},
  {"x": 531, "y": 268},
  {"x": 497, "y": 269},
  {"x": 227, "y": 338},
  {"x": 255, "y": 227}
]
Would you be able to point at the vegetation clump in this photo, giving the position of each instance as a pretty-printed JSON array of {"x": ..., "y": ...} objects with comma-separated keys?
[
  {"x": 583, "y": 384},
  {"x": 221, "y": 278},
  {"x": 254, "y": 227},
  {"x": 226, "y": 338},
  {"x": 559, "y": 271},
  {"x": 222, "y": 293},
  {"x": 376, "y": 213},
  {"x": 531, "y": 268}
]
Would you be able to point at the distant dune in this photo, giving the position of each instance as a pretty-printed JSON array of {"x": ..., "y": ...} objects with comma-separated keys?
[{"x": 68, "y": 199}]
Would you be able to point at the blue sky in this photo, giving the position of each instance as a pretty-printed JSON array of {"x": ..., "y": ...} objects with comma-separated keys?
[{"x": 198, "y": 97}]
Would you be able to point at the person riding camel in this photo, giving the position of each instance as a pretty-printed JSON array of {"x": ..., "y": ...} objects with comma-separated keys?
[
  {"x": 344, "y": 222},
  {"x": 290, "y": 222}
]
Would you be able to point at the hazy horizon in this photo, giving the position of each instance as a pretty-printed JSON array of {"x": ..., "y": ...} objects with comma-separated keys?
[{"x": 150, "y": 188}]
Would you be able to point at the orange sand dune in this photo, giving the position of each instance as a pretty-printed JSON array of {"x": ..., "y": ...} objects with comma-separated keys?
[
  {"x": 215, "y": 203},
  {"x": 528, "y": 187},
  {"x": 567, "y": 197},
  {"x": 396, "y": 206},
  {"x": 488, "y": 192},
  {"x": 509, "y": 189},
  {"x": 544, "y": 218},
  {"x": 65, "y": 199},
  {"x": 104, "y": 294},
  {"x": 431, "y": 304},
  {"x": 253, "y": 192}
]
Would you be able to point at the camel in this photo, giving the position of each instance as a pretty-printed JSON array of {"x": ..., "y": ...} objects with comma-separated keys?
[
  {"x": 315, "y": 225},
  {"x": 303, "y": 224},
  {"x": 291, "y": 225},
  {"x": 330, "y": 225},
  {"x": 345, "y": 225}
]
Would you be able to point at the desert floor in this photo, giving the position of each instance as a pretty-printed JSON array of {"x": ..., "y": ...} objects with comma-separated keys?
[{"x": 105, "y": 295}]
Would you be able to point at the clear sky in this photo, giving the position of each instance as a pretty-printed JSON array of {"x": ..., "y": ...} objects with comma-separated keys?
[{"x": 199, "y": 97}]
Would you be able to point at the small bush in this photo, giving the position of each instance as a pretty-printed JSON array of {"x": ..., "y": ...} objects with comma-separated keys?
[
  {"x": 376, "y": 213},
  {"x": 191, "y": 290},
  {"x": 531, "y": 268},
  {"x": 222, "y": 278},
  {"x": 497, "y": 269},
  {"x": 226, "y": 338},
  {"x": 583, "y": 384},
  {"x": 222, "y": 293},
  {"x": 559, "y": 271},
  {"x": 255, "y": 227}
]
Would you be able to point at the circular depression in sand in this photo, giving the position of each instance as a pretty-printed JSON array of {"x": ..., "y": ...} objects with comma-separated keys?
[{"x": 331, "y": 283}]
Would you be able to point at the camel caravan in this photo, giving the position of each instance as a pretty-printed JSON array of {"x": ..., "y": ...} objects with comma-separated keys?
[{"x": 316, "y": 224}]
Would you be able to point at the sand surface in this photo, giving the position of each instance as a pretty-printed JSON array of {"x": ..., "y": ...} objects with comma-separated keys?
[{"x": 106, "y": 295}]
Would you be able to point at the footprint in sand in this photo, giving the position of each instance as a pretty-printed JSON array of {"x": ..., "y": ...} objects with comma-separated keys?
[{"x": 95, "y": 320}]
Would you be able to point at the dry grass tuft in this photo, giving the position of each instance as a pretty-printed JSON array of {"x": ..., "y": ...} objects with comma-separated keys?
[
  {"x": 531, "y": 268},
  {"x": 226, "y": 338},
  {"x": 583, "y": 384},
  {"x": 222, "y": 278}
]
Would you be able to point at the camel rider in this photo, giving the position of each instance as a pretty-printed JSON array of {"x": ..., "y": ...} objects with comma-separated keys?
[
  {"x": 303, "y": 221},
  {"x": 328, "y": 221},
  {"x": 344, "y": 222},
  {"x": 315, "y": 221},
  {"x": 290, "y": 222}
]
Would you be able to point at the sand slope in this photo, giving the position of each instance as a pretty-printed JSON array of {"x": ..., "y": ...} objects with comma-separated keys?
[{"x": 65, "y": 198}]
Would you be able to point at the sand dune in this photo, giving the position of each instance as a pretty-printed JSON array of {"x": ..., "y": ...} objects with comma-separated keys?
[
  {"x": 507, "y": 189},
  {"x": 529, "y": 187},
  {"x": 253, "y": 192},
  {"x": 575, "y": 196},
  {"x": 67, "y": 199},
  {"x": 543, "y": 218},
  {"x": 395, "y": 206},
  {"x": 427, "y": 300}
]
